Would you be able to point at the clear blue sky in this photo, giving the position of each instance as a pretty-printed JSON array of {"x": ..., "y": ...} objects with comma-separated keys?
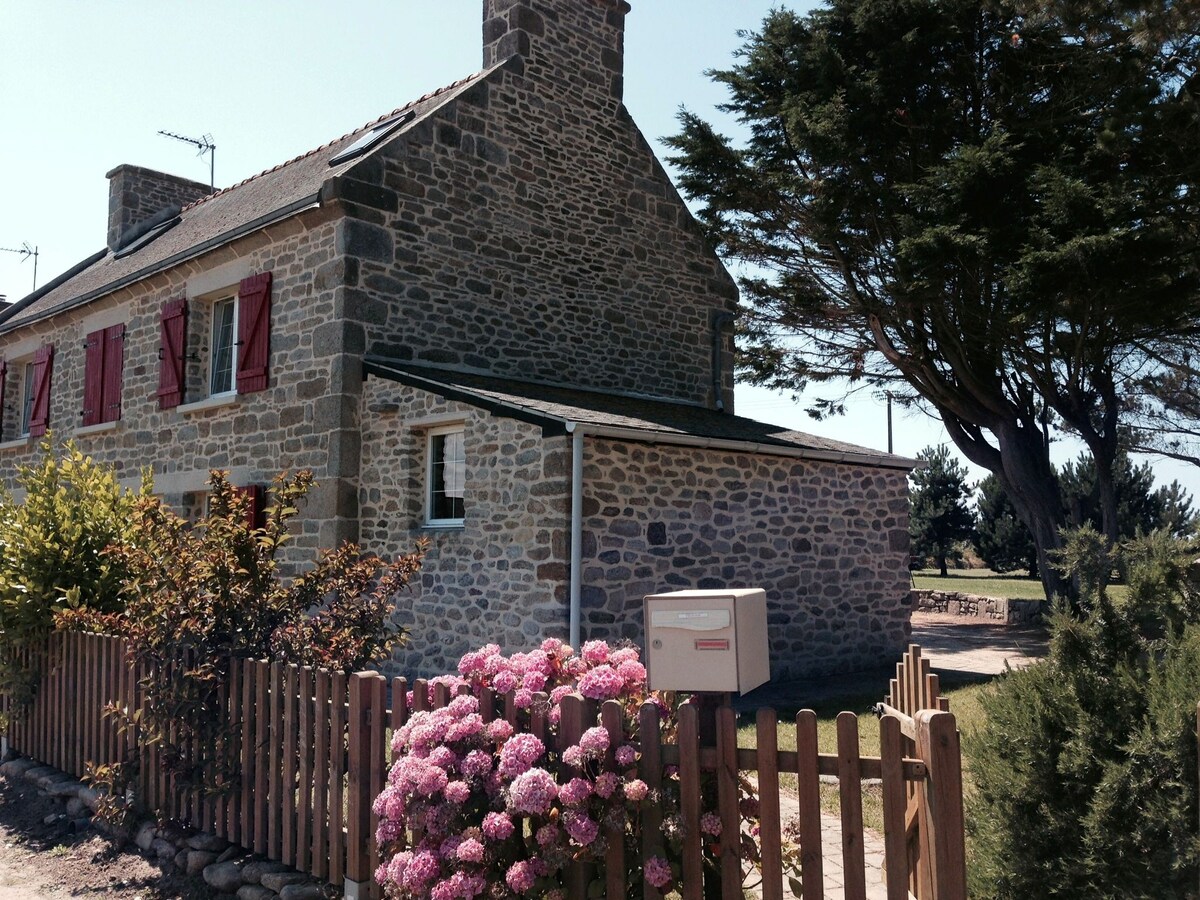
[{"x": 86, "y": 86}]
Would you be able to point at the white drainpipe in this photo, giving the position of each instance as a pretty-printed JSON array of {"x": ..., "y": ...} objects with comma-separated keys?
[{"x": 576, "y": 615}]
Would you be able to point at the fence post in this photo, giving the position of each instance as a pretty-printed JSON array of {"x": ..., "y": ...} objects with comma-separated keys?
[
  {"x": 938, "y": 747},
  {"x": 364, "y": 709}
]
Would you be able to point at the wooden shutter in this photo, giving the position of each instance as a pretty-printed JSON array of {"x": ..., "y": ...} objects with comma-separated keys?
[
  {"x": 93, "y": 378},
  {"x": 172, "y": 353},
  {"x": 43, "y": 367},
  {"x": 254, "y": 333},
  {"x": 114, "y": 366},
  {"x": 256, "y": 513},
  {"x": 3, "y": 393}
]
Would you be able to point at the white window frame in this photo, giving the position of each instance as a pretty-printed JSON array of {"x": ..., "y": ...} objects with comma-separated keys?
[
  {"x": 431, "y": 435},
  {"x": 233, "y": 350}
]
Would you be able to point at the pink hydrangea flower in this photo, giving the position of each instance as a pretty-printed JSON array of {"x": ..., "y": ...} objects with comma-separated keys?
[
  {"x": 623, "y": 654},
  {"x": 533, "y": 792},
  {"x": 626, "y": 755},
  {"x": 573, "y": 756},
  {"x": 601, "y": 683},
  {"x": 498, "y": 731},
  {"x": 523, "y": 698},
  {"x": 476, "y": 764},
  {"x": 710, "y": 823},
  {"x": 443, "y": 890},
  {"x": 497, "y": 826},
  {"x": 470, "y": 851},
  {"x": 582, "y": 829},
  {"x": 547, "y": 836},
  {"x": 594, "y": 741},
  {"x": 633, "y": 673},
  {"x": 636, "y": 790},
  {"x": 595, "y": 653},
  {"x": 575, "y": 792},
  {"x": 551, "y": 646},
  {"x": 504, "y": 682},
  {"x": 421, "y": 870},
  {"x": 519, "y": 753},
  {"x": 520, "y": 876},
  {"x": 606, "y": 783},
  {"x": 534, "y": 681},
  {"x": 658, "y": 872},
  {"x": 457, "y": 792}
]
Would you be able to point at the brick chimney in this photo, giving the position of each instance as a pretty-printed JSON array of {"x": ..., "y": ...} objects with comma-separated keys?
[
  {"x": 578, "y": 44},
  {"x": 136, "y": 194}
]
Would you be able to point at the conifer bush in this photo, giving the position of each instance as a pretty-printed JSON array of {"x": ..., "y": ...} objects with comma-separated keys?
[{"x": 1085, "y": 772}]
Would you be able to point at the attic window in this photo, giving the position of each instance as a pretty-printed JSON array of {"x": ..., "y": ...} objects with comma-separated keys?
[
  {"x": 148, "y": 238},
  {"x": 371, "y": 138}
]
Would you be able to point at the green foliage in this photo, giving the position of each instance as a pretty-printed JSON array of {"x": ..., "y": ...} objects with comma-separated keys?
[
  {"x": 198, "y": 596},
  {"x": 53, "y": 547},
  {"x": 1001, "y": 538},
  {"x": 1086, "y": 777},
  {"x": 1141, "y": 507},
  {"x": 939, "y": 516},
  {"x": 991, "y": 205}
]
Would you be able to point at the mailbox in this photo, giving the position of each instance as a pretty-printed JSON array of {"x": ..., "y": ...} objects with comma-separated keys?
[{"x": 707, "y": 641}]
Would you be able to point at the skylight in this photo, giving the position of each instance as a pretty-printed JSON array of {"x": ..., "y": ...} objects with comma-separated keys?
[
  {"x": 371, "y": 138},
  {"x": 148, "y": 238}
]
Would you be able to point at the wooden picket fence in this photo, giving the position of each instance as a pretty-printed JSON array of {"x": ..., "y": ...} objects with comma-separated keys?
[{"x": 313, "y": 752}]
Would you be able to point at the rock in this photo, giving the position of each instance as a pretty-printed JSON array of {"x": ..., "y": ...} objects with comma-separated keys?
[
  {"x": 277, "y": 881},
  {"x": 33, "y": 774},
  {"x": 225, "y": 877},
  {"x": 209, "y": 843},
  {"x": 196, "y": 861},
  {"x": 181, "y": 859},
  {"x": 164, "y": 850},
  {"x": 76, "y": 807},
  {"x": 145, "y": 836},
  {"x": 51, "y": 819},
  {"x": 15, "y": 768},
  {"x": 64, "y": 789},
  {"x": 309, "y": 891},
  {"x": 231, "y": 852},
  {"x": 254, "y": 892},
  {"x": 90, "y": 797},
  {"x": 254, "y": 871}
]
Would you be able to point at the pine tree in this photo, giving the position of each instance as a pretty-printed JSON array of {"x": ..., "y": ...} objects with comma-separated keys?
[{"x": 939, "y": 516}]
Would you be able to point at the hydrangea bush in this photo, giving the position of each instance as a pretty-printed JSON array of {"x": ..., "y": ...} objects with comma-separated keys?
[{"x": 475, "y": 808}]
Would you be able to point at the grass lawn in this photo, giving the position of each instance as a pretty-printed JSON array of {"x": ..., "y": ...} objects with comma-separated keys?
[
  {"x": 964, "y": 703},
  {"x": 983, "y": 582}
]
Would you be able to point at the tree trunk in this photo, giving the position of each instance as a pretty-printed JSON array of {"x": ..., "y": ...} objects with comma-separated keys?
[{"x": 942, "y": 564}]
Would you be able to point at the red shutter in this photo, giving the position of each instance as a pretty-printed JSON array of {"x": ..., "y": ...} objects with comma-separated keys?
[
  {"x": 171, "y": 354},
  {"x": 43, "y": 366},
  {"x": 256, "y": 512},
  {"x": 93, "y": 378},
  {"x": 3, "y": 392},
  {"x": 114, "y": 364},
  {"x": 254, "y": 333}
]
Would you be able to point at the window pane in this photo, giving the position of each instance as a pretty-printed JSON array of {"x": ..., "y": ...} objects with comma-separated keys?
[
  {"x": 221, "y": 380},
  {"x": 448, "y": 475}
]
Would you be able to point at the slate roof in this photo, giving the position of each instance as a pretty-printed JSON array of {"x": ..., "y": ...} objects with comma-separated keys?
[
  {"x": 220, "y": 217},
  {"x": 554, "y": 407}
]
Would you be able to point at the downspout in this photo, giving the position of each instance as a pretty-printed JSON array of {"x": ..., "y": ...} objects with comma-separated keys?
[
  {"x": 719, "y": 321},
  {"x": 576, "y": 613}
]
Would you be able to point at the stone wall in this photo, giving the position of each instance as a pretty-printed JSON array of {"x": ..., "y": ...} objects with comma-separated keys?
[
  {"x": 995, "y": 609},
  {"x": 828, "y": 542},
  {"x": 289, "y": 425},
  {"x": 527, "y": 230},
  {"x": 500, "y": 578},
  {"x": 136, "y": 194}
]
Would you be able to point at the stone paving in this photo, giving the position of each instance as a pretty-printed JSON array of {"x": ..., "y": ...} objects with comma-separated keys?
[{"x": 959, "y": 650}]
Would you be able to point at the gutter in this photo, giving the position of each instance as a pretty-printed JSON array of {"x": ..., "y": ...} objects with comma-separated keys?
[{"x": 192, "y": 252}]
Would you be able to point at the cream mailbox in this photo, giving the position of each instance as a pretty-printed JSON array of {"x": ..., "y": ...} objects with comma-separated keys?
[{"x": 707, "y": 640}]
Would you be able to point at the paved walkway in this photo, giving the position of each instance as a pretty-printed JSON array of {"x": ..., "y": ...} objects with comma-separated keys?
[{"x": 959, "y": 650}]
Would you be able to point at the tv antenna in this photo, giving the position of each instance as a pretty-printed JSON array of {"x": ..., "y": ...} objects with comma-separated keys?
[
  {"x": 205, "y": 145},
  {"x": 25, "y": 251}
]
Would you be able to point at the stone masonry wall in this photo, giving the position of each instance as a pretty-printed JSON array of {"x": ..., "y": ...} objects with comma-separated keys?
[
  {"x": 828, "y": 542},
  {"x": 502, "y": 577},
  {"x": 289, "y": 425},
  {"x": 527, "y": 231},
  {"x": 135, "y": 194}
]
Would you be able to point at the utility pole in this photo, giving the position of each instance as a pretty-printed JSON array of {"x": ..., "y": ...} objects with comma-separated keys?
[
  {"x": 25, "y": 251},
  {"x": 889, "y": 417}
]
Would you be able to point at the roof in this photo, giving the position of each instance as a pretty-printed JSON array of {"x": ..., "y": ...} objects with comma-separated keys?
[
  {"x": 222, "y": 216},
  {"x": 560, "y": 410}
]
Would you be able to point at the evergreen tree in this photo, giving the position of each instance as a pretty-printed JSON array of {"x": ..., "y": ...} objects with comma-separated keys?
[
  {"x": 939, "y": 516},
  {"x": 1141, "y": 507},
  {"x": 1001, "y": 538}
]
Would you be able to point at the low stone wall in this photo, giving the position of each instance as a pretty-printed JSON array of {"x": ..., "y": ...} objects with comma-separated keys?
[
  {"x": 226, "y": 868},
  {"x": 996, "y": 609}
]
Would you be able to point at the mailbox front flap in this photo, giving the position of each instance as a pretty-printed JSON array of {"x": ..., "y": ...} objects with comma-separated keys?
[{"x": 691, "y": 619}]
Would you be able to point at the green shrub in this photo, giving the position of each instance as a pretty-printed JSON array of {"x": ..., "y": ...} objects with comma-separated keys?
[
  {"x": 53, "y": 555},
  {"x": 200, "y": 595},
  {"x": 1085, "y": 773}
]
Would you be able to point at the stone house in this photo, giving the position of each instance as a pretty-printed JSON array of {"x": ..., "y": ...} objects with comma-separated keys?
[{"x": 488, "y": 319}]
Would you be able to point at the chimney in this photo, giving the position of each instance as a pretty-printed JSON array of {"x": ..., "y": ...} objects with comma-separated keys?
[
  {"x": 136, "y": 195},
  {"x": 576, "y": 44}
]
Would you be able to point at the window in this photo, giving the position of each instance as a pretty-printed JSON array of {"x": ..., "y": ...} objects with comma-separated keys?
[
  {"x": 223, "y": 354},
  {"x": 104, "y": 361},
  {"x": 446, "y": 476},
  {"x": 27, "y": 388}
]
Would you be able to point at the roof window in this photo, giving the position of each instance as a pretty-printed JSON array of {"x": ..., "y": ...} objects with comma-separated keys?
[
  {"x": 148, "y": 238},
  {"x": 371, "y": 138}
]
